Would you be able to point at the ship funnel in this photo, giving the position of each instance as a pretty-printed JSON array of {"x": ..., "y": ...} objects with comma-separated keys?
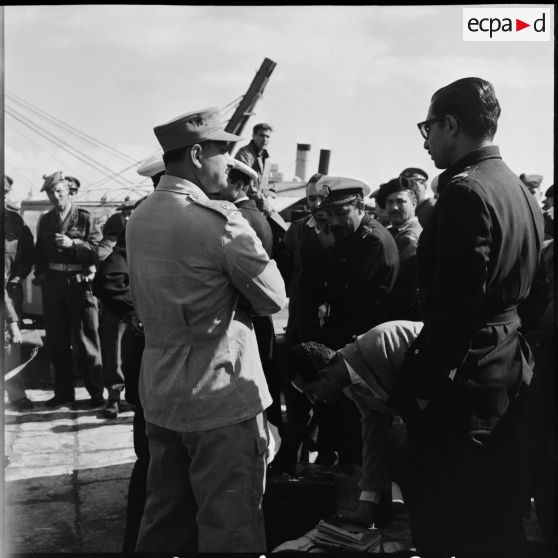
[{"x": 302, "y": 155}]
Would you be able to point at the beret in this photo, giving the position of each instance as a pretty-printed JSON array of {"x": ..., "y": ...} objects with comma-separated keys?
[
  {"x": 398, "y": 184},
  {"x": 52, "y": 179}
]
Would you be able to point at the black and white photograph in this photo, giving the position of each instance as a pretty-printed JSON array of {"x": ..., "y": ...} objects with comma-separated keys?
[{"x": 278, "y": 279}]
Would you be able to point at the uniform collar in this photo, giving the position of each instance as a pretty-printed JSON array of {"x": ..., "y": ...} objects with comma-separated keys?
[
  {"x": 406, "y": 225},
  {"x": 488, "y": 152},
  {"x": 170, "y": 183}
]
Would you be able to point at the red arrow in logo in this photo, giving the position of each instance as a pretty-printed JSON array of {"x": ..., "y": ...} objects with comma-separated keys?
[{"x": 519, "y": 25}]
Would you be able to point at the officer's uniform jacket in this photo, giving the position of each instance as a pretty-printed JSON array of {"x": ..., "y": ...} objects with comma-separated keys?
[
  {"x": 18, "y": 246},
  {"x": 197, "y": 273},
  {"x": 361, "y": 272},
  {"x": 80, "y": 226},
  {"x": 478, "y": 255},
  {"x": 424, "y": 210}
]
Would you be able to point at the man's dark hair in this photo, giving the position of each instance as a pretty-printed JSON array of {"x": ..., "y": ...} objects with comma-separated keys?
[
  {"x": 473, "y": 102},
  {"x": 307, "y": 359},
  {"x": 262, "y": 126},
  {"x": 235, "y": 175}
]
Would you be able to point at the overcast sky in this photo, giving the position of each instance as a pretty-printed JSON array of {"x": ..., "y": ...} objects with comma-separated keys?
[{"x": 354, "y": 80}]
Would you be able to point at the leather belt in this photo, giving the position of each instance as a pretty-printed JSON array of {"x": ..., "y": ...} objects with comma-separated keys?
[{"x": 66, "y": 267}]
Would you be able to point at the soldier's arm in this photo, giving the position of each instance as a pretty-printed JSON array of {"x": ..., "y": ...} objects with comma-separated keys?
[
  {"x": 462, "y": 255},
  {"x": 41, "y": 260},
  {"x": 86, "y": 248},
  {"x": 25, "y": 254},
  {"x": 251, "y": 271}
]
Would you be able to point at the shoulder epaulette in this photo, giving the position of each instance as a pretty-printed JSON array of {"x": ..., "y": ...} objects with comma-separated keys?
[{"x": 225, "y": 208}]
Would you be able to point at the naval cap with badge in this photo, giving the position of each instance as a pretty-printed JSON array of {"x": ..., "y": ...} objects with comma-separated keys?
[
  {"x": 341, "y": 190},
  {"x": 53, "y": 179},
  {"x": 191, "y": 128}
]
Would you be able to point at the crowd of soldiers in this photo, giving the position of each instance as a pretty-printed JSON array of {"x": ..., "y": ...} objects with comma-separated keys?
[{"x": 406, "y": 306}]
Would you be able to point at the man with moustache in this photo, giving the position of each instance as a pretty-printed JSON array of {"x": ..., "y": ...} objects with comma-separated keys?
[
  {"x": 399, "y": 200},
  {"x": 197, "y": 274},
  {"x": 466, "y": 377},
  {"x": 425, "y": 201}
]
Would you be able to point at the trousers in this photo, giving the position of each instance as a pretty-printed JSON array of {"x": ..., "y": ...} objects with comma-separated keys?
[
  {"x": 205, "y": 489},
  {"x": 69, "y": 307},
  {"x": 112, "y": 330}
]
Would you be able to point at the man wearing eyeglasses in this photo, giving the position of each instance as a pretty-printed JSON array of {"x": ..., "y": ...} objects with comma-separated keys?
[
  {"x": 425, "y": 200},
  {"x": 465, "y": 378}
]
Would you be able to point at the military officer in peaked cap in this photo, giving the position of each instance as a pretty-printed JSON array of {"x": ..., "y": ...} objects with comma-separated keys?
[
  {"x": 361, "y": 269},
  {"x": 469, "y": 369},
  {"x": 197, "y": 273},
  {"x": 65, "y": 249}
]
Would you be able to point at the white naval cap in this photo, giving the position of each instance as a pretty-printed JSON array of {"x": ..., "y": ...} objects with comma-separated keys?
[
  {"x": 245, "y": 169},
  {"x": 152, "y": 165}
]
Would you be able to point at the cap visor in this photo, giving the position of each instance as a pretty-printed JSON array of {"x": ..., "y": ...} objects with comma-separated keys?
[{"x": 221, "y": 135}]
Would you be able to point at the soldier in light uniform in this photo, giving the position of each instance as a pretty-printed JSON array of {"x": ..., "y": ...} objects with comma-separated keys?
[
  {"x": 65, "y": 249},
  {"x": 197, "y": 274}
]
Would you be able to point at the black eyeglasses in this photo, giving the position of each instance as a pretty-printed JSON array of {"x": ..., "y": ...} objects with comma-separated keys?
[{"x": 424, "y": 127}]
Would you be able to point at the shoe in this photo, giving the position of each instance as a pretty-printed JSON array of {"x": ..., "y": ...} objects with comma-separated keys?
[
  {"x": 96, "y": 402},
  {"x": 57, "y": 400},
  {"x": 112, "y": 408},
  {"x": 22, "y": 404}
]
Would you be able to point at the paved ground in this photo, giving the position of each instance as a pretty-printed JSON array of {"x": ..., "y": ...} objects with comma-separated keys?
[{"x": 67, "y": 470}]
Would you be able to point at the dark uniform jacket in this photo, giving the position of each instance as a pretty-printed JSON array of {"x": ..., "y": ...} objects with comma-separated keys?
[
  {"x": 478, "y": 255},
  {"x": 18, "y": 246},
  {"x": 80, "y": 226},
  {"x": 306, "y": 280},
  {"x": 361, "y": 272},
  {"x": 424, "y": 209},
  {"x": 405, "y": 302},
  {"x": 258, "y": 222}
]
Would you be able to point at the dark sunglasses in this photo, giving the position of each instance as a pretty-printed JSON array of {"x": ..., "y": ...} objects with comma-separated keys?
[{"x": 424, "y": 127}]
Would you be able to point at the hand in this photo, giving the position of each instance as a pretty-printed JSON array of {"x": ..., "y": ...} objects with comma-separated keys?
[
  {"x": 15, "y": 280},
  {"x": 63, "y": 241},
  {"x": 14, "y": 334},
  {"x": 423, "y": 403},
  {"x": 38, "y": 279},
  {"x": 362, "y": 515}
]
